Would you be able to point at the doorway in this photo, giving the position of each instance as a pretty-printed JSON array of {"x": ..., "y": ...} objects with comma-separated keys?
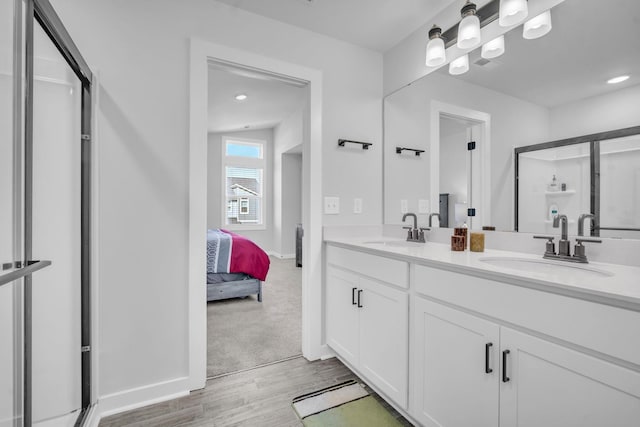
[
  {"x": 467, "y": 173},
  {"x": 254, "y": 191},
  {"x": 201, "y": 54}
]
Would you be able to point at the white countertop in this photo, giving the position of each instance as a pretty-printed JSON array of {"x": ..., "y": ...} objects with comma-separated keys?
[{"x": 621, "y": 288}]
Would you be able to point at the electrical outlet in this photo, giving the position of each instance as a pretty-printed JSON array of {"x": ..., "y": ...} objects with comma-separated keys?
[
  {"x": 332, "y": 205},
  {"x": 423, "y": 206},
  {"x": 357, "y": 206},
  {"x": 404, "y": 206}
]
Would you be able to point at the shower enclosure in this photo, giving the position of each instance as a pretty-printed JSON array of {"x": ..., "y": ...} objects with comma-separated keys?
[
  {"x": 596, "y": 174},
  {"x": 45, "y": 230}
]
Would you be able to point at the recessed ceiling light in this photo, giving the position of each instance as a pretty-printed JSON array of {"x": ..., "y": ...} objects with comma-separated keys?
[
  {"x": 241, "y": 97},
  {"x": 618, "y": 79}
]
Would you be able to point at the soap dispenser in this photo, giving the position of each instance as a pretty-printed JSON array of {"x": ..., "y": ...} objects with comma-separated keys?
[{"x": 554, "y": 184}]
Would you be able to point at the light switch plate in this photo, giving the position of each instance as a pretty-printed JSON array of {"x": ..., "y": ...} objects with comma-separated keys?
[
  {"x": 404, "y": 206},
  {"x": 423, "y": 206},
  {"x": 357, "y": 206},
  {"x": 332, "y": 205}
]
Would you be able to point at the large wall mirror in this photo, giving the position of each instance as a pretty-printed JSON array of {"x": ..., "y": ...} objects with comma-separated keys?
[{"x": 546, "y": 89}]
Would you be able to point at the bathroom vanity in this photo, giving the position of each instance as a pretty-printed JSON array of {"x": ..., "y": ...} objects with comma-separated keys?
[{"x": 486, "y": 339}]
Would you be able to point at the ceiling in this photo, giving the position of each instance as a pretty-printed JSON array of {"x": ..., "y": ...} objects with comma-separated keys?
[
  {"x": 374, "y": 24},
  {"x": 269, "y": 101},
  {"x": 591, "y": 41}
]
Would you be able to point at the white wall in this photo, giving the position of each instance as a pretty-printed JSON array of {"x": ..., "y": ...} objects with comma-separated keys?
[
  {"x": 141, "y": 52},
  {"x": 287, "y": 183},
  {"x": 263, "y": 238},
  {"x": 615, "y": 110},
  {"x": 513, "y": 123}
]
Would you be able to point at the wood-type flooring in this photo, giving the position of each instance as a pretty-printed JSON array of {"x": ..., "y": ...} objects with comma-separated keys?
[{"x": 258, "y": 397}]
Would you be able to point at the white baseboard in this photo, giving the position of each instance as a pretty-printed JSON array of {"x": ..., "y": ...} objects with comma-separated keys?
[
  {"x": 135, "y": 398},
  {"x": 93, "y": 417},
  {"x": 281, "y": 256}
]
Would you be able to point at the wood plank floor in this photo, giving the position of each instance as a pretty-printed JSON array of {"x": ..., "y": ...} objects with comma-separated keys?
[{"x": 258, "y": 397}]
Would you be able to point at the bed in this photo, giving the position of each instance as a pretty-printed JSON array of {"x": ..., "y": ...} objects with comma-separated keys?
[{"x": 236, "y": 266}]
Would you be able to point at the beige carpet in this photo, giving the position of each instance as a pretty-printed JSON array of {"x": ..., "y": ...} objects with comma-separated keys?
[{"x": 243, "y": 333}]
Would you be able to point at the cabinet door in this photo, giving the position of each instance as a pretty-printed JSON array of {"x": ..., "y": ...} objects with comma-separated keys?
[
  {"x": 454, "y": 367},
  {"x": 342, "y": 313},
  {"x": 551, "y": 385},
  {"x": 384, "y": 339}
]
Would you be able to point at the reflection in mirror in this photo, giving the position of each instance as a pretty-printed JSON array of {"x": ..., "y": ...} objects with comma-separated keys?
[
  {"x": 553, "y": 181},
  {"x": 547, "y": 89},
  {"x": 620, "y": 187}
]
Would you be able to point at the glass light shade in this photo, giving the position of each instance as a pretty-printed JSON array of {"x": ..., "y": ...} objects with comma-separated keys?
[
  {"x": 459, "y": 66},
  {"x": 512, "y": 12},
  {"x": 469, "y": 32},
  {"x": 493, "y": 49},
  {"x": 538, "y": 26},
  {"x": 435, "y": 52}
]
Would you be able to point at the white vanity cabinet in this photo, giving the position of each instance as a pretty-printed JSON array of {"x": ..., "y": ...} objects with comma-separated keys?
[
  {"x": 454, "y": 367},
  {"x": 469, "y": 370},
  {"x": 367, "y": 316}
]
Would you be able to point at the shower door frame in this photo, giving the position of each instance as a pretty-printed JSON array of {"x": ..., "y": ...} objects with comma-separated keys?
[
  {"x": 594, "y": 165},
  {"x": 26, "y": 14}
]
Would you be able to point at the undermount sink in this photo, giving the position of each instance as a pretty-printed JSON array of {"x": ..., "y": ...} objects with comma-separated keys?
[
  {"x": 394, "y": 243},
  {"x": 544, "y": 266}
]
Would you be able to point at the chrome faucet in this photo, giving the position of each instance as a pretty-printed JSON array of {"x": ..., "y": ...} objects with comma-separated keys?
[
  {"x": 564, "y": 249},
  {"x": 594, "y": 223},
  {"x": 414, "y": 234},
  {"x": 432, "y": 215},
  {"x": 563, "y": 245}
]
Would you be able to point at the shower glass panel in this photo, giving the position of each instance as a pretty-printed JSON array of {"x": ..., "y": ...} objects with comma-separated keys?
[
  {"x": 620, "y": 187},
  {"x": 11, "y": 333},
  {"x": 57, "y": 373},
  {"x": 538, "y": 200}
]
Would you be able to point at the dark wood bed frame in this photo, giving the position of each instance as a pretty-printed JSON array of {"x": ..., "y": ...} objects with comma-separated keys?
[{"x": 235, "y": 289}]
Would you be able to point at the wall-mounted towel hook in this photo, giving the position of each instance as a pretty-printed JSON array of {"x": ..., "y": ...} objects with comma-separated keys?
[
  {"x": 365, "y": 145},
  {"x": 416, "y": 152}
]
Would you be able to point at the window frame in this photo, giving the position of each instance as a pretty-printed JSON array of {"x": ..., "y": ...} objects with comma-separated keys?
[{"x": 244, "y": 162}]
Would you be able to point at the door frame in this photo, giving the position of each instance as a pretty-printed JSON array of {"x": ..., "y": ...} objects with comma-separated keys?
[
  {"x": 483, "y": 120},
  {"x": 201, "y": 52}
]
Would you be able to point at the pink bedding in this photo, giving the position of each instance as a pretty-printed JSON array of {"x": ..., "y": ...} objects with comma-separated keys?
[{"x": 247, "y": 257}]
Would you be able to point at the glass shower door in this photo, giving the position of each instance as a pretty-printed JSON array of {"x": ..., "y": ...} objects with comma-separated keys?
[
  {"x": 11, "y": 332},
  {"x": 56, "y": 227}
]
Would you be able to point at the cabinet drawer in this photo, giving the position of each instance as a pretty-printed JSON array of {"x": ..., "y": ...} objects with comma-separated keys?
[
  {"x": 387, "y": 270},
  {"x": 606, "y": 329}
]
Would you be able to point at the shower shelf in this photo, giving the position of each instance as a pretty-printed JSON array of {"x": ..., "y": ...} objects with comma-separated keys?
[{"x": 559, "y": 193}]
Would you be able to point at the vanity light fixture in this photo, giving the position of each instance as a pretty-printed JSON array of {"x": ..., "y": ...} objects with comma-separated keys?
[
  {"x": 512, "y": 12},
  {"x": 618, "y": 79},
  {"x": 494, "y": 48},
  {"x": 469, "y": 27},
  {"x": 459, "y": 66},
  {"x": 538, "y": 26},
  {"x": 435, "y": 48},
  {"x": 241, "y": 97}
]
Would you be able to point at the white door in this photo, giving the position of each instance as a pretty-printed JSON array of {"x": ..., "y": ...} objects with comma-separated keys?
[
  {"x": 455, "y": 368},
  {"x": 384, "y": 338},
  {"x": 342, "y": 313},
  {"x": 554, "y": 386}
]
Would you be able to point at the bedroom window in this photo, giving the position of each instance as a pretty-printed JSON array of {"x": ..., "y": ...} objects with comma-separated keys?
[{"x": 244, "y": 169}]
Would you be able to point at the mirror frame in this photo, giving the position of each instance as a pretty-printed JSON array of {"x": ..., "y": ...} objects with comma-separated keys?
[{"x": 594, "y": 140}]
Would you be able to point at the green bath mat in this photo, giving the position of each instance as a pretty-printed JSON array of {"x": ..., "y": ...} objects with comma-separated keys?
[{"x": 344, "y": 405}]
